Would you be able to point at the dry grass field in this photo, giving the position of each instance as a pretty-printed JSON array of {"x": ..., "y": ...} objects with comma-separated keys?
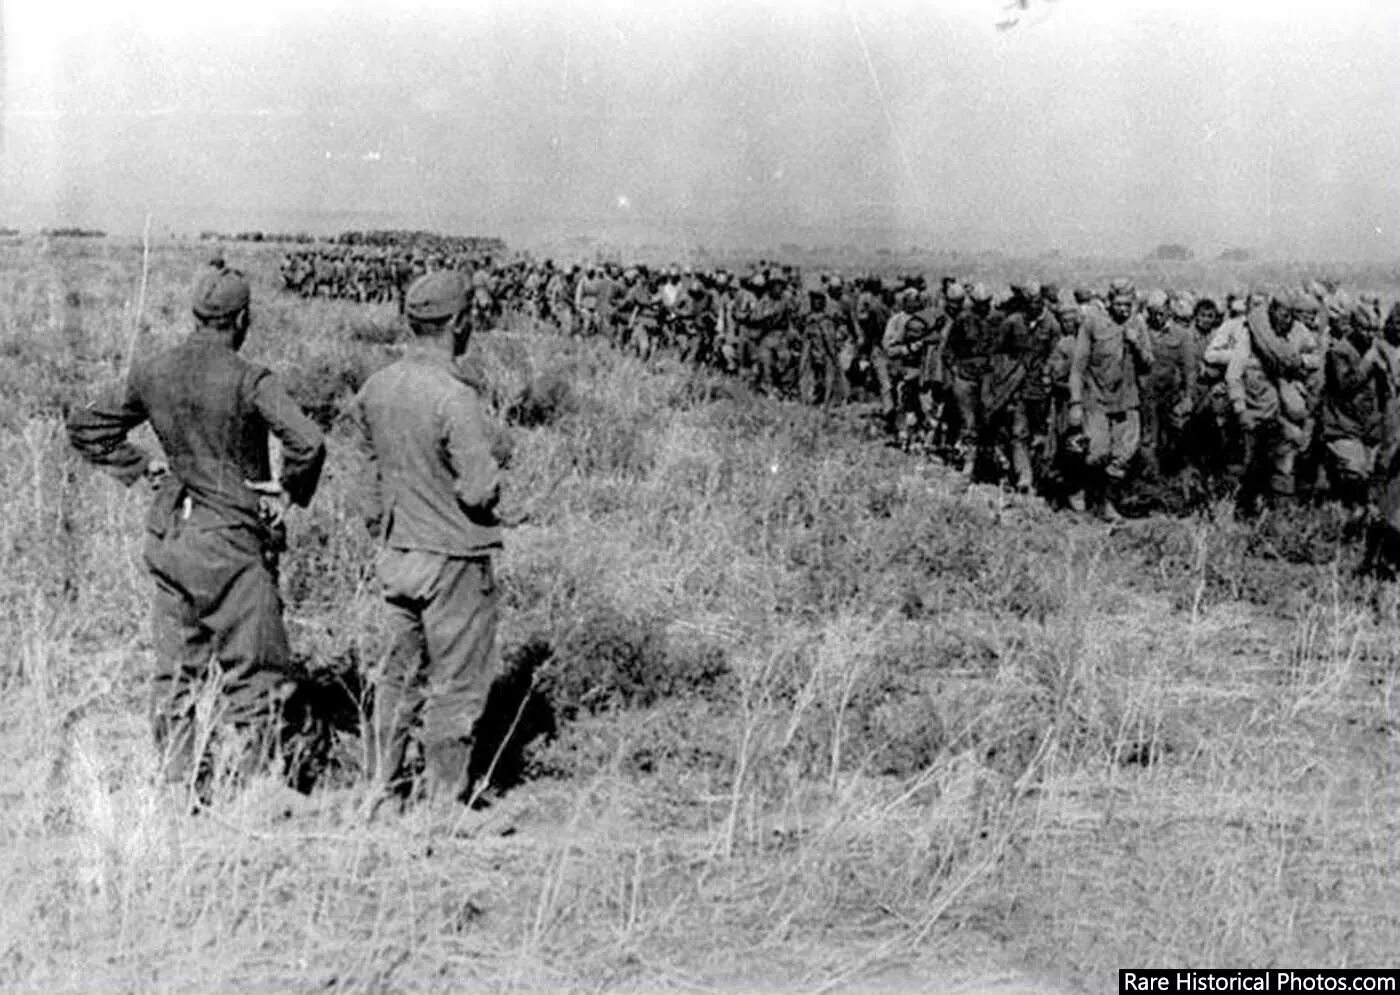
[{"x": 828, "y": 720}]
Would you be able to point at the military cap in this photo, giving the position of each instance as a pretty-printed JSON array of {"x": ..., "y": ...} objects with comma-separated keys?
[
  {"x": 980, "y": 293},
  {"x": 1030, "y": 290},
  {"x": 436, "y": 296},
  {"x": 220, "y": 293},
  {"x": 1121, "y": 286},
  {"x": 1050, "y": 291},
  {"x": 835, "y": 282},
  {"x": 1156, "y": 300},
  {"x": 1183, "y": 306},
  {"x": 757, "y": 281},
  {"x": 954, "y": 292},
  {"x": 1083, "y": 295}
]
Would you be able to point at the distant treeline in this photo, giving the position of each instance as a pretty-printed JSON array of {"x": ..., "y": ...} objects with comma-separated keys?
[
  {"x": 1174, "y": 252},
  {"x": 72, "y": 232},
  {"x": 8, "y": 232}
]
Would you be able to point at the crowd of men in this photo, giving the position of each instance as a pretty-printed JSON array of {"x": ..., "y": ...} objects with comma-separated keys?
[
  {"x": 379, "y": 267},
  {"x": 1084, "y": 395},
  {"x": 1270, "y": 394}
]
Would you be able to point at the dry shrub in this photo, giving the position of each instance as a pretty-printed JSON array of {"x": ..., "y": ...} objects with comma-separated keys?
[
  {"x": 674, "y": 738},
  {"x": 607, "y": 659},
  {"x": 499, "y": 366},
  {"x": 607, "y": 443},
  {"x": 42, "y": 378},
  {"x": 919, "y": 694},
  {"x": 546, "y": 400},
  {"x": 323, "y": 386},
  {"x": 373, "y": 332},
  {"x": 1282, "y": 561}
]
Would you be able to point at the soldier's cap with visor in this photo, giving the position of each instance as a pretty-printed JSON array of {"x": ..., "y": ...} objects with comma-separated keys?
[
  {"x": 220, "y": 293},
  {"x": 436, "y": 296}
]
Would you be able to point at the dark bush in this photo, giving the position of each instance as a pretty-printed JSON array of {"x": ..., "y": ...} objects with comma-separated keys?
[
  {"x": 607, "y": 660},
  {"x": 518, "y": 714},
  {"x": 323, "y": 388},
  {"x": 611, "y": 444},
  {"x": 546, "y": 400},
  {"x": 372, "y": 332}
]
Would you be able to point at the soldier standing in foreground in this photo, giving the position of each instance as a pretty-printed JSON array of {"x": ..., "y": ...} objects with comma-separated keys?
[
  {"x": 215, "y": 527},
  {"x": 436, "y": 487}
]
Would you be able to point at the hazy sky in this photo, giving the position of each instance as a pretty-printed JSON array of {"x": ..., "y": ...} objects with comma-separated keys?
[{"x": 1091, "y": 126}]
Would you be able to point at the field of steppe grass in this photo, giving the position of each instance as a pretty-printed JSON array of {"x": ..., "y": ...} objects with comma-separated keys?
[{"x": 826, "y": 717}]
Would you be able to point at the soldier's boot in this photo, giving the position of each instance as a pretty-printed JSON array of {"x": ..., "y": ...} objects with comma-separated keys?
[
  {"x": 1108, "y": 509},
  {"x": 447, "y": 771},
  {"x": 1022, "y": 468}
]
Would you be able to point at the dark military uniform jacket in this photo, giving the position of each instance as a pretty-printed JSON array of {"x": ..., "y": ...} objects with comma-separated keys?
[{"x": 212, "y": 410}]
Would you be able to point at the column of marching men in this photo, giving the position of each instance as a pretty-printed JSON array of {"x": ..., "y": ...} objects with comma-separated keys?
[
  {"x": 1087, "y": 395},
  {"x": 1260, "y": 398}
]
